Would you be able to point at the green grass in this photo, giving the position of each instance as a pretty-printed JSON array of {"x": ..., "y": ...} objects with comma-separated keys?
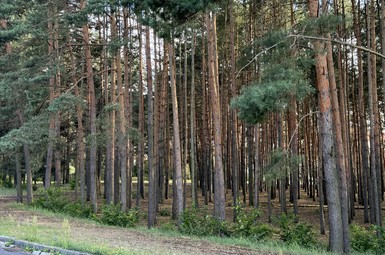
[
  {"x": 30, "y": 230},
  {"x": 262, "y": 246},
  {"x": 5, "y": 192}
]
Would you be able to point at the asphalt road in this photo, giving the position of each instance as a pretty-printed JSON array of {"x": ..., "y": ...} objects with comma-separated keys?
[{"x": 11, "y": 251}]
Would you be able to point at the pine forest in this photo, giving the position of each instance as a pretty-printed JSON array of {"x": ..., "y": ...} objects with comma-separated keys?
[{"x": 230, "y": 118}]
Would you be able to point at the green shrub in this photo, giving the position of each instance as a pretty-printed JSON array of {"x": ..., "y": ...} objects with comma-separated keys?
[
  {"x": 112, "y": 215},
  {"x": 51, "y": 199},
  {"x": 76, "y": 209},
  {"x": 292, "y": 232},
  {"x": 199, "y": 223},
  {"x": 365, "y": 239},
  {"x": 164, "y": 212},
  {"x": 246, "y": 225}
]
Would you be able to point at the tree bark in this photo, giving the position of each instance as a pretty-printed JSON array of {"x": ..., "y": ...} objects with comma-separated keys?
[
  {"x": 178, "y": 192},
  {"x": 336, "y": 243},
  {"x": 342, "y": 169},
  {"x": 152, "y": 201},
  {"x": 92, "y": 111},
  {"x": 219, "y": 188}
]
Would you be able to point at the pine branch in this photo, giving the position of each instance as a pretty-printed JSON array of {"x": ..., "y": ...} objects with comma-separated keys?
[{"x": 338, "y": 42}]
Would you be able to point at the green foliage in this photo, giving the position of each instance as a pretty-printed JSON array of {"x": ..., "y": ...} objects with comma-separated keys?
[
  {"x": 320, "y": 26},
  {"x": 51, "y": 199},
  {"x": 112, "y": 215},
  {"x": 281, "y": 162},
  {"x": 65, "y": 101},
  {"x": 199, "y": 223},
  {"x": 76, "y": 209},
  {"x": 364, "y": 239},
  {"x": 33, "y": 132},
  {"x": 271, "y": 95},
  {"x": 164, "y": 212},
  {"x": 54, "y": 200},
  {"x": 293, "y": 232},
  {"x": 246, "y": 225}
]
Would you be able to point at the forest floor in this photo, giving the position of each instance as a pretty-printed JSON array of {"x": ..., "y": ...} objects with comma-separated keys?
[
  {"x": 136, "y": 240},
  {"x": 142, "y": 241}
]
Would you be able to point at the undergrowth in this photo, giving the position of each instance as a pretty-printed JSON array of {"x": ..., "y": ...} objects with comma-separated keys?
[
  {"x": 367, "y": 239},
  {"x": 54, "y": 200},
  {"x": 200, "y": 223}
]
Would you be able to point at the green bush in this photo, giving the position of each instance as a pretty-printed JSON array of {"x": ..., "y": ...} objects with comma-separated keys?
[
  {"x": 51, "y": 199},
  {"x": 199, "y": 223},
  {"x": 246, "y": 225},
  {"x": 292, "y": 232},
  {"x": 112, "y": 215},
  {"x": 76, "y": 209},
  {"x": 365, "y": 239}
]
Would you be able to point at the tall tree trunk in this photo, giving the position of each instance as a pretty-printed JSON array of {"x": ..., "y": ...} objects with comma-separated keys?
[
  {"x": 193, "y": 168},
  {"x": 140, "y": 185},
  {"x": 128, "y": 105},
  {"x": 150, "y": 132},
  {"x": 361, "y": 113},
  {"x": 51, "y": 129},
  {"x": 92, "y": 111},
  {"x": 372, "y": 87},
  {"x": 178, "y": 191},
  {"x": 332, "y": 185},
  {"x": 342, "y": 169},
  {"x": 233, "y": 116},
  {"x": 219, "y": 188},
  {"x": 57, "y": 150},
  {"x": 122, "y": 139},
  {"x": 80, "y": 132}
]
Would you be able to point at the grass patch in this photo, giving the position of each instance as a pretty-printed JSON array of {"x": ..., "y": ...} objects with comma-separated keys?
[
  {"x": 32, "y": 230},
  {"x": 6, "y": 192}
]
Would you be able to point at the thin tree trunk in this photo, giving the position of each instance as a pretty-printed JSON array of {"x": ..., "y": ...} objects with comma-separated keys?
[
  {"x": 92, "y": 111},
  {"x": 19, "y": 188},
  {"x": 178, "y": 191},
  {"x": 51, "y": 129},
  {"x": 140, "y": 188},
  {"x": 375, "y": 206},
  {"x": 256, "y": 166},
  {"x": 233, "y": 116},
  {"x": 194, "y": 185},
  {"x": 27, "y": 162},
  {"x": 122, "y": 139},
  {"x": 80, "y": 132},
  {"x": 150, "y": 132},
  {"x": 127, "y": 108}
]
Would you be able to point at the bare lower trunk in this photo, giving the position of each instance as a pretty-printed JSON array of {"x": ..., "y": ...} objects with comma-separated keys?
[
  {"x": 92, "y": 112},
  {"x": 219, "y": 188},
  {"x": 178, "y": 191},
  {"x": 19, "y": 188}
]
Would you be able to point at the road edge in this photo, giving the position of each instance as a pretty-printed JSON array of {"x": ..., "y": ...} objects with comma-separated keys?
[{"x": 40, "y": 247}]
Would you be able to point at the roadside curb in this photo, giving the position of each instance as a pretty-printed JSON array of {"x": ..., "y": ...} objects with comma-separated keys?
[{"x": 39, "y": 247}]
